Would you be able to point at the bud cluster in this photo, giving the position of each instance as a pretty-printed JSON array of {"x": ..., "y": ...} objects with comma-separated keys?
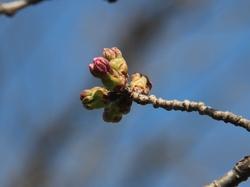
[{"x": 112, "y": 69}]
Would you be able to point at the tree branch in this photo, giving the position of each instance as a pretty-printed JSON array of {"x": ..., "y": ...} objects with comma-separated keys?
[
  {"x": 190, "y": 106},
  {"x": 10, "y": 8},
  {"x": 234, "y": 177},
  {"x": 111, "y": 1}
]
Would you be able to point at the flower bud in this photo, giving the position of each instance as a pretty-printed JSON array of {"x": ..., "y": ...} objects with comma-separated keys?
[
  {"x": 99, "y": 67},
  {"x": 94, "y": 98},
  {"x": 116, "y": 61},
  {"x": 112, "y": 53},
  {"x": 112, "y": 114},
  {"x": 114, "y": 81},
  {"x": 111, "y": 78},
  {"x": 140, "y": 83},
  {"x": 120, "y": 65}
]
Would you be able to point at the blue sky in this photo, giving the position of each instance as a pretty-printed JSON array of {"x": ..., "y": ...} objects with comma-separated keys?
[{"x": 197, "y": 50}]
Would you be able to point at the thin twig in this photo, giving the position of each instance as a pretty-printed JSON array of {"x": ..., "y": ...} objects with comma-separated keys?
[
  {"x": 10, "y": 8},
  {"x": 234, "y": 177},
  {"x": 190, "y": 106}
]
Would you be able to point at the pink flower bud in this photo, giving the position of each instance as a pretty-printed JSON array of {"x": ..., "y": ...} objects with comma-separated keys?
[{"x": 99, "y": 67}]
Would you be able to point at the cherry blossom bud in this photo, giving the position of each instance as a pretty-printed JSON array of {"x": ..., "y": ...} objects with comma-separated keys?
[
  {"x": 111, "y": 53},
  {"x": 140, "y": 83},
  {"x": 114, "y": 81},
  {"x": 120, "y": 65},
  {"x": 116, "y": 61},
  {"x": 111, "y": 78},
  {"x": 94, "y": 98},
  {"x": 99, "y": 67}
]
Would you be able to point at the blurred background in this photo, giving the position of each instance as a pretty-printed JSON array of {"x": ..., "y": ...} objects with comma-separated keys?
[{"x": 190, "y": 49}]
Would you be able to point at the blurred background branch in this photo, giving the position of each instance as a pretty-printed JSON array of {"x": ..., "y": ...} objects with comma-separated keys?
[
  {"x": 111, "y": 1},
  {"x": 10, "y": 8}
]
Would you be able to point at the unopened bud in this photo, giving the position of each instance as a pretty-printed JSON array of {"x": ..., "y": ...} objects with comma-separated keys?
[
  {"x": 120, "y": 65},
  {"x": 94, "y": 98},
  {"x": 111, "y": 53},
  {"x": 111, "y": 78},
  {"x": 140, "y": 83},
  {"x": 116, "y": 61},
  {"x": 114, "y": 81},
  {"x": 99, "y": 67}
]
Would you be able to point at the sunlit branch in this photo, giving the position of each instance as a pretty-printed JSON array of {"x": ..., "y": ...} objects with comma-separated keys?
[
  {"x": 235, "y": 176},
  {"x": 190, "y": 106}
]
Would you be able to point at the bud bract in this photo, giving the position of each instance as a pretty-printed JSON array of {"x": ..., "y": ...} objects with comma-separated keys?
[
  {"x": 120, "y": 65},
  {"x": 116, "y": 61},
  {"x": 140, "y": 83},
  {"x": 111, "y": 53},
  {"x": 94, "y": 98},
  {"x": 114, "y": 81}
]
